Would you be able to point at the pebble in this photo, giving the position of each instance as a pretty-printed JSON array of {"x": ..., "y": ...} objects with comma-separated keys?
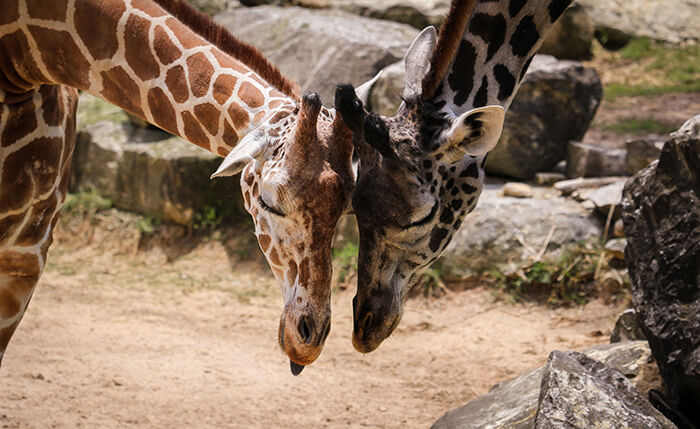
[{"x": 516, "y": 189}]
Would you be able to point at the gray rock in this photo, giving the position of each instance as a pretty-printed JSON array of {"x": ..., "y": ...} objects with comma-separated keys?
[
  {"x": 571, "y": 37},
  {"x": 417, "y": 13},
  {"x": 616, "y": 248},
  {"x": 661, "y": 216},
  {"x": 580, "y": 392},
  {"x": 299, "y": 42},
  {"x": 658, "y": 19},
  {"x": 212, "y": 7},
  {"x": 587, "y": 160},
  {"x": 627, "y": 327},
  {"x": 554, "y": 105},
  {"x": 150, "y": 172},
  {"x": 507, "y": 233},
  {"x": 689, "y": 130},
  {"x": 605, "y": 197},
  {"x": 640, "y": 153},
  {"x": 513, "y": 403}
]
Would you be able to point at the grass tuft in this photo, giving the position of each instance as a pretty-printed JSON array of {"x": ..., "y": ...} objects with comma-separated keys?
[{"x": 639, "y": 126}]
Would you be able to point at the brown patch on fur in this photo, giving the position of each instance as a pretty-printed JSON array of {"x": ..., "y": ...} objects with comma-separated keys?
[
  {"x": 448, "y": 42},
  {"x": 41, "y": 217},
  {"x": 8, "y": 226},
  {"x": 223, "y": 88},
  {"x": 121, "y": 90},
  {"x": 274, "y": 257},
  {"x": 54, "y": 10},
  {"x": 292, "y": 273},
  {"x": 264, "y": 241},
  {"x": 187, "y": 39},
  {"x": 20, "y": 121},
  {"x": 18, "y": 264},
  {"x": 240, "y": 117},
  {"x": 259, "y": 116},
  {"x": 177, "y": 84},
  {"x": 251, "y": 95},
  {"x": 161, "y": 110},
  {"x": 166, "y": 51},
  {"x": 222, "y": 151},
  {"x": 230, "y": 137},
  {"x": 194, "y": 132},
  {"x": 35, "y": 163},
  {"x": 98, "y": 28},
  {"x": 228, "y": 62},
  {"x": 9, "y": 304},
  {"x": 249, "y": 177},
  {"x": 6, "y": 334},
  {"x": 148, "y": 7},
  {"x": 255, "y": 191},
  {"x": 200, "y": 72},
  {"x": 53, "y": 113},
  {"x": 18, "y": 70},
  {"x": 208, "y": 115},
  {"x": 246, "y": 195},
  {"x": 10, "y": 12},
  {"x": 304, "y": 273},
  {"x": 68, "y": 65},
  {"x": 221, "y": 38},
  {"x": 137, "y": 52}
]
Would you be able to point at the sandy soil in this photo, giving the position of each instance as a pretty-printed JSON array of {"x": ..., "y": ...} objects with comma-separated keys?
[{"x": 116, "y": 338}]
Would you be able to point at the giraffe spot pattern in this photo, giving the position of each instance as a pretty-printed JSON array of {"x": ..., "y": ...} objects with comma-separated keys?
[
  {"x": 506, "y": 81},
  {"x": 166, "y": 51},
  {"x": 10, "y": 12},
  {"x": 35, "y": 163},
  {"x": 525, "y": 67},
  {"x": 481, "y": 97},
  {"x": 185, "y": 36},
  {"x": 264, "y": 241},
  {"x": 223, "y": 88},
  {"x": 16, "y": 76},
  {"x": 98, "y": 28},
  {"x": 41, "y": 215},
  {"x": 58, "y": 48},
  {"x": 515, "y": 6},
  {"x": 120, "y": 89},
  {"x": 208, "y": 115},
  {"x": 436, "y": 237},
  {"x": 524, "y": 37},
  {"x": 492, "y": 29},
  {"x": 194, "y": 131},
  {"x": 177, "y": 84},
  {"x": 199, "y": 72},
  {"x": 19, "y": 122},
  {"x": 461, "y": 78},
  {"x": 150, "y": 7},
  {"x": 161, "y": 110},
  {"x": 251, "y": 95},
  {"x": 54, "y": 10},
  {"x": 230, "y": 138},
  {"x": 8, "y": 227},
  {"x": 9, "y": 304},
  {"x": 556, "y": 8},
  {"x": 304, "y": 273},
  {"x": 274, "y": 257}
]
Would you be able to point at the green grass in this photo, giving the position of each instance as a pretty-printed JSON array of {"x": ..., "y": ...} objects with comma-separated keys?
[
  {"x": 346, "y": 262},
  {"x": 639, "y": 125},
  {"x": 86, "y": 201},
  {"x": 677, "y": 69}
]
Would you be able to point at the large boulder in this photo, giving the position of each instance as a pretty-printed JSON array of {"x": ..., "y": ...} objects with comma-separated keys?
[
  {"x": 507, "y": 233},
  {"x": 513, "y": 404},
  {"x": 571, "y": 37},
  {"x": 554, "y": 105},
  {"x": 320, "y": 48},
  {"x": 147, "y": 170},
  {"x": 417, "y": 13},
  {"x": 578, "y": 392},
  {"x": 665, "y": 20},
  {"x": 641, "y": 152},
  {"x": 661, "y": 216},
  {"x": 587, "y": 160}
]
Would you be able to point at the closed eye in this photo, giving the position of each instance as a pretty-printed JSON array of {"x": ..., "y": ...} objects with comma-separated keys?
[
  {"x": 426, "y": 219},
  {"x": 268, "y": 208}
]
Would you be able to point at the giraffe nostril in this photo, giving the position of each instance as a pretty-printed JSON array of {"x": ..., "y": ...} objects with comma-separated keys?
[
  {"x": 326, "y": 331},
  {"x": 366, "y": 322},
  {"x": 305, "y": 328}
]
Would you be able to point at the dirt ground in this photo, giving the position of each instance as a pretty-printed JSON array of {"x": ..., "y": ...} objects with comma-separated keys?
[{"x": 116, "y": 337}]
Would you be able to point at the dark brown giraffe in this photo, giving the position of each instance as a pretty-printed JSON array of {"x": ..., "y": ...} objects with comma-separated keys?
[
  {"x": 170, "y": 65},
  {"x": 421, "y": 171}
]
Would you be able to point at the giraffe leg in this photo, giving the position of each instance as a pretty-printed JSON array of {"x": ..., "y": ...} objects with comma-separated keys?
[{"x": 37, "y": 137}]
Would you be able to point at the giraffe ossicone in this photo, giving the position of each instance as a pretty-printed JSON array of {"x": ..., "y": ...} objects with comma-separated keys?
[
  {"x": 156, "y": 60},
  {"x": 421, "y": 171}
]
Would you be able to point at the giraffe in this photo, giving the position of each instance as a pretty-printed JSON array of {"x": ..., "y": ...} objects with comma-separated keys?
[
  {"x": 421, "y": 171},
  {"x": 165, "y": 62}
]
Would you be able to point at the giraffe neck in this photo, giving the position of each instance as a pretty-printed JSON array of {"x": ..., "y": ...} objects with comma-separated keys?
[
  {"x": 137, "y": 56},
  {"x": 497, "y": 44}
]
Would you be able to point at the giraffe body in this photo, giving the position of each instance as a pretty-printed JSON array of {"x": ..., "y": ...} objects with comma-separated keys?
[
  {"x": 421, "y": 171},
  {"x": 223, "y": 97}
]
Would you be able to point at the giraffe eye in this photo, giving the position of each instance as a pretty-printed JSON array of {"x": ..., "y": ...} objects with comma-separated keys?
[
  {"x": 426, "y": 219},
  {"x": 269, "y": 208}
]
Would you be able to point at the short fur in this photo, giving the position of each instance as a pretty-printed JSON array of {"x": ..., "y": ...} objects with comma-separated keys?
[
  {"x": 205, "y": 26},
  {"x": 448, "y": 41}
]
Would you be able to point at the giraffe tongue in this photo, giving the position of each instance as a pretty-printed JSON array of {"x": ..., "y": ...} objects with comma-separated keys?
[{"x": 295, "y": 367}]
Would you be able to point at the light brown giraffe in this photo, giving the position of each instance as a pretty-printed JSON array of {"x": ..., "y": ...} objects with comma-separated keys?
[{"x": 193, "y": 79}]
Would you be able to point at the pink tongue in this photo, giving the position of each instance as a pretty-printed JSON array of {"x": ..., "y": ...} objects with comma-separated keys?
[{"x": 295, "y": 367}]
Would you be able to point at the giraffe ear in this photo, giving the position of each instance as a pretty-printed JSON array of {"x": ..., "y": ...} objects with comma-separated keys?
[
  {"x": 475, "y": 133},
  {"x": 417, "y": 62},
  {"x": 249, "y": 148}
]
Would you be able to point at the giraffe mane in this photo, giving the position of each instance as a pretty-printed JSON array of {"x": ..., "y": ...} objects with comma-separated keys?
[
  {"x": 449, "y": 38},
  {"x": 216, "y": 34}
]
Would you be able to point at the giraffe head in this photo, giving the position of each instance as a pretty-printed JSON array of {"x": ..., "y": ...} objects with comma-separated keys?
[
  {"x": 419, "y": 175},
  {"x": 297, "y": 180}
]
